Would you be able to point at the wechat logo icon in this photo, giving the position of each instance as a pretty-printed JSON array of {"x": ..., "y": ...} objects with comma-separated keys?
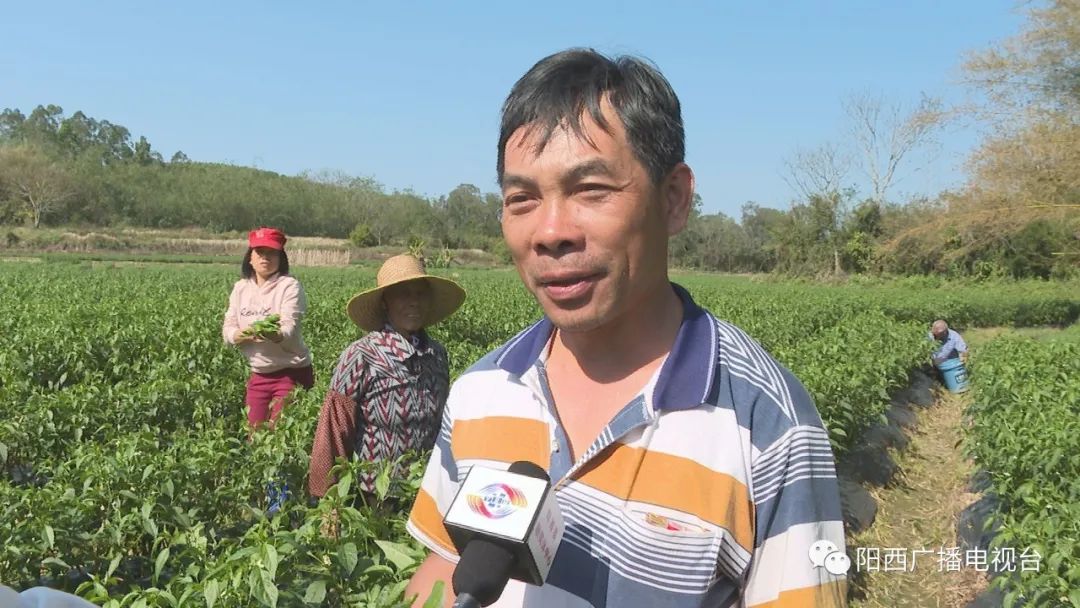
[{"x": 825, "y": 554}]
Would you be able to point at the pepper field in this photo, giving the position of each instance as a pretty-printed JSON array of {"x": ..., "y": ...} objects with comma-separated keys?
[{"x": 126, "y": 475}]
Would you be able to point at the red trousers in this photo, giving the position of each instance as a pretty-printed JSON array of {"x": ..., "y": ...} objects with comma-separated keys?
[{"x": 266, "y": 392}]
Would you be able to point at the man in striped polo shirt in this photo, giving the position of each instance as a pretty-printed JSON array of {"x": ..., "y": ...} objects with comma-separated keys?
[{"x": 691, "y": 468}]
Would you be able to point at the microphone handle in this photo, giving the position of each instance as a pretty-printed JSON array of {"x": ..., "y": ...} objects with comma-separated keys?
[{"x": 464, "y": 600}]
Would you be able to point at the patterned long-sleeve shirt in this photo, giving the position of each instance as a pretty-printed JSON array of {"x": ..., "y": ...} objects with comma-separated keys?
[{"x": 386, "y": 398}]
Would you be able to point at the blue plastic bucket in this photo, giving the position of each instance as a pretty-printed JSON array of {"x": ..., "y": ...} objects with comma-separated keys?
[{"x": 954, "y": 375}]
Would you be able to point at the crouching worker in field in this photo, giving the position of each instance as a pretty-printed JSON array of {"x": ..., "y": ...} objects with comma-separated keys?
[
  {"x": 389, "y": 388},
  {"x": 950, "y": 358},
  {"x": 265, "y": 311},
  {"x": 952, "y": 346}
]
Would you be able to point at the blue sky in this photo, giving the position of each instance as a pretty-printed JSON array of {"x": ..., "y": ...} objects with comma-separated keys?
[{"x": 409, "y": 92}]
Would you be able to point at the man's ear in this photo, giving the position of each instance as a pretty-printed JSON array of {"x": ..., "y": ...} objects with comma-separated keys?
[{"x": 678, "y": 194}]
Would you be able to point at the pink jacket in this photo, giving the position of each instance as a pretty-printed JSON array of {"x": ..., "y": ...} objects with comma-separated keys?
[{"x": 249, "y": 303}]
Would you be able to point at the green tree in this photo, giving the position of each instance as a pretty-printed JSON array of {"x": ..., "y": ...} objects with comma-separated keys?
[
  {"x": 144, "y": 153},
  {"x": 11, "y": 125}
]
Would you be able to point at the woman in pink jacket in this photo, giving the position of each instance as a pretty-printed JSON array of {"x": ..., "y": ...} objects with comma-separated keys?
[{"x": 279, "y": 360}]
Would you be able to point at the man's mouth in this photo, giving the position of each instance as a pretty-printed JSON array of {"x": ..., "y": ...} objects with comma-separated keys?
[{"x": 563, "y": 286}]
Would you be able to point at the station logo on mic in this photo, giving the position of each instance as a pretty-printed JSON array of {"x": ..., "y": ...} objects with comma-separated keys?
[{"x": 518, "y": 512}]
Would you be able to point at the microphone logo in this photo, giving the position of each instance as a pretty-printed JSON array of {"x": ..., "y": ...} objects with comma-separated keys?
[{"x": 497, "y": 500}]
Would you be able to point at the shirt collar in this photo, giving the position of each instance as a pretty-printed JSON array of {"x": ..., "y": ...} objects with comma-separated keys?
[
  {"x": 687, "y": 377},
  {"x": 269, "y": 284},
  {"x": 416, "y": 343}
]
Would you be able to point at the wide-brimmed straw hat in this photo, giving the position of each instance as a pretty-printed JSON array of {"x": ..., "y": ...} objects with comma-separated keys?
[{"x": 366, "y": 309}]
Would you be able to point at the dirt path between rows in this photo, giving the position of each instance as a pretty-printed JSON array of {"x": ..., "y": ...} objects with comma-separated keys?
[{"x": 916, "y": 520}]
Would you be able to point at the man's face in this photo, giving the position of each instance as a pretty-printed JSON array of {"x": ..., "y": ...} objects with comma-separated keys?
[{"x": 585, "y": 225}]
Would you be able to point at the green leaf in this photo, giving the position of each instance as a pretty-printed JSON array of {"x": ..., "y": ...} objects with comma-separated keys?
[
  {"x": 396, "y": 553},
  {"x": 159, "y": 563},
  {"x": 376, "y": 569},
  {"x": 113, "y": 565},
  {"x": 316, "y": 593},
  {"x": 398, "y": 590},
  {"x": 270, "y": 555},
  {"x": 254, "y": 588},
  {"x": 1074, "y": 597},
  {"x": 55, "y": 561},
  {"x": 343, "y": 486},
  {"x": 347, "y": 557},
  {"x": 241, "y": 553},
  {"x": 210, "y": 592},
  {"x": 435, "y": 600},
  {"x": 382, "y": 483},
  {"x": 269, "y": 588},
  {"x": 48, "y": 536}
]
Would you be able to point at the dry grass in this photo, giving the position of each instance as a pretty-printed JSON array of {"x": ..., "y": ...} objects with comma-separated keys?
[
  {"x": 921, "y": 512},
  {"x": 207, "y": 246},
  {"x": 195, "y": 242},
  {"x": 318, "y": 257},
  {"x": 319, "y": 242},
  {"x": 239, "y": 246}
]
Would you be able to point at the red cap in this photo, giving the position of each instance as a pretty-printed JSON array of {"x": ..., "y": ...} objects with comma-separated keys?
[{"x": 267, "y": 237}]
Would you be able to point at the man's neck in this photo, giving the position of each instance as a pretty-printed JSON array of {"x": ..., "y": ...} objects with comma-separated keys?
[{"x": 642, "y": 336}]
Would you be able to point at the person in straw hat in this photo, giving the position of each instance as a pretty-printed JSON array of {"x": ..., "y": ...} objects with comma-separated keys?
[{"x": 387, "y": 393}]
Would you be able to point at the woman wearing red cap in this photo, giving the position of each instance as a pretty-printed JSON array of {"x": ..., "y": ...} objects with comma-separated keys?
[{"x": 279, "y": 360}]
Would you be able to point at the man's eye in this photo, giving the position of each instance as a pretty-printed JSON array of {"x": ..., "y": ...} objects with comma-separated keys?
[
  {"x": 520, "y": 197},
  {"x": 594, "y": 190}
]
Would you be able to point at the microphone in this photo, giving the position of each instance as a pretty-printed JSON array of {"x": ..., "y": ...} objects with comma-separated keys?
[{"x": 505, "y": 525}]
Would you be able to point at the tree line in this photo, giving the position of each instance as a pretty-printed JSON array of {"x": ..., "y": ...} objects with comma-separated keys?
[
  {"x": 77, "y": 170},
  {"x": 1018, "y": 215}
]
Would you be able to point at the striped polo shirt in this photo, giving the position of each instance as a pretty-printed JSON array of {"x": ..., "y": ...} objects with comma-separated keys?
[{"x": 707, "y": 489}]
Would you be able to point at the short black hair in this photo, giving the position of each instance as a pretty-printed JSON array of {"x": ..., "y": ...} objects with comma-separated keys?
[
  {"x": 247, "y": 270},
  {"x": 560, "y": 88}
]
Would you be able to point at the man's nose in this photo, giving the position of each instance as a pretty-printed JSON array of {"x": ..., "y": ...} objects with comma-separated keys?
[{"x": 558, "y": 230}]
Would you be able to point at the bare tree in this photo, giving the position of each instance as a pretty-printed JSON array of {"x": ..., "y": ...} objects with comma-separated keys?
[
  {"x": 34, "y": 180},
  {"x": 885, "y": 135},
  {"x": 1035, "y": 71},
  {"x": 817, "y": 171},
  {"x": 1027, "y": 172},
  {"x": 818, "y": 175}
]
